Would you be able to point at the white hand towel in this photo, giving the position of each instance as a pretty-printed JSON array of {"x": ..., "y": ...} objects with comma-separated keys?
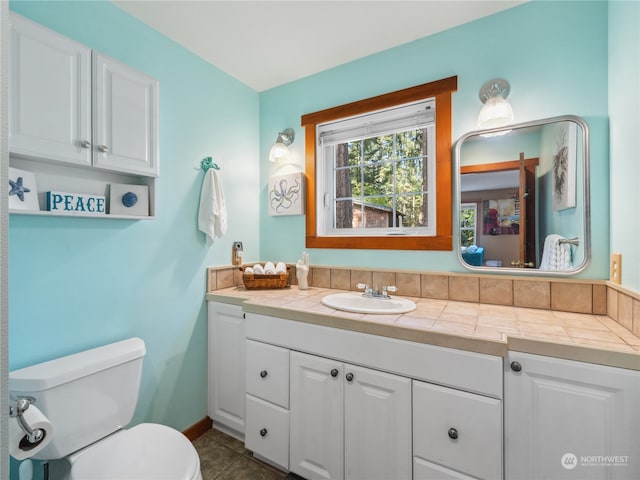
[
  {"x": 269, "y": 268},
  {"x": 281, "y": 267},
  {"x": 212, "y": 215},
  {"x": 555, "y": 255}
]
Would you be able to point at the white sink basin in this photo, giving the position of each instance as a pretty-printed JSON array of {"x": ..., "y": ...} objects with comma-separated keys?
[{"x": 355, "y": 302}]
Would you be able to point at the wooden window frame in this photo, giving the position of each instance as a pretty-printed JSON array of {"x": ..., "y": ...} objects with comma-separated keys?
[{"x": 441, "y": 90}]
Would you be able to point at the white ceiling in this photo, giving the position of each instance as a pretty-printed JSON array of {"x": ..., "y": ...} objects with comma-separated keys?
[{"x": 268, "y": 43}]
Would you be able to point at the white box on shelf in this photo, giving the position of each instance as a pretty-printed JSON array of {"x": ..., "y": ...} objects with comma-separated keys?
[
  {"x": 128, "y": 200},
  {"x": 23, "y": 191}
]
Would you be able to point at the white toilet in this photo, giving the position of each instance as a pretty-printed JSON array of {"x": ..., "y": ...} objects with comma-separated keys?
[{"x": 90, "y": 397}]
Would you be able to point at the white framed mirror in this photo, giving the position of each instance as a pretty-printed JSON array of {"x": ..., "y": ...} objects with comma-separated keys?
[{"x": 522, "y": 202}]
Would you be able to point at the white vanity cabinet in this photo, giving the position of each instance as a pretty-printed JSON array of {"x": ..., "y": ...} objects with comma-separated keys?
[
  {"x": 364, "y": 406},
  {"x": 78, "y": 119},
  {"x": 567, "y": 419},
  {"x": 226, "y": 367},
  {"x": 348, "y": 421}
]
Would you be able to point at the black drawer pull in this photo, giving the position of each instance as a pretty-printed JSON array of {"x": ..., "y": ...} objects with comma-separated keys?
[
  {"x": 263, "y": 432},
  {"x": 515, "y": 366},
  {"x": 334, "y": 372},
  {"x": 453, "y": 433},
  {"x": 263, "y": 373}
]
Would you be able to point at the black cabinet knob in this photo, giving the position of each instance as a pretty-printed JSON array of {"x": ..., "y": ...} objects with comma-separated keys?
[
  {"x": 349, "y": 377},
  {"x": 263, "y": 432},
  {"x": 334, "y": 372},
  {"x": 263, "y": 373},
  {"x": 515, "y": 366},
  {"x": 453, "y": 433}
]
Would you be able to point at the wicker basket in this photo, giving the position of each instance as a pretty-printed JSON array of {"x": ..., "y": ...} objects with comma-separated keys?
[{"x": 253, "y": 282}]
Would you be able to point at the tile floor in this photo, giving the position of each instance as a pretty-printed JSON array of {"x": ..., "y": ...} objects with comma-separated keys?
[{"x": 224, "y": 458}]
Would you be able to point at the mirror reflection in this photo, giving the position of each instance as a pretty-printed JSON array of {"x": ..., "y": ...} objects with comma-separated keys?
[{"x": 523, "y": 200}]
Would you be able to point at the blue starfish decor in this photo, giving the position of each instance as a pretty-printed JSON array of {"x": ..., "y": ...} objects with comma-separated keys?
[{"x": 18, "y": 189}]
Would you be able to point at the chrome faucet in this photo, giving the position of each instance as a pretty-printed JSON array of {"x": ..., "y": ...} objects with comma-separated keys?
[{"x": 374, "y": 292}]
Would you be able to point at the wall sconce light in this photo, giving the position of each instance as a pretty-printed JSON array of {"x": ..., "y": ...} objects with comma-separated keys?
[
  {"x": 496, "y": 111},
  {"x": 280, "y": 150}
]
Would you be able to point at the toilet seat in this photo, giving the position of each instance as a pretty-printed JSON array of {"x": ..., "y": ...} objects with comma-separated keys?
[{"x": 147, "y": 451}]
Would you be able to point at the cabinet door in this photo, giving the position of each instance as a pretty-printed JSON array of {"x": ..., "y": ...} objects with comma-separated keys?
[
  {"x": 49, "y": 95},
  {"x": 125, "y": 118},
  {"x": 457, "y": 430},
  {"x": 567, "y": 419},
  {"x": 226, "y": 372},
  {"x": 377, "y": 425},
  {"x": 316, "y": 412}
]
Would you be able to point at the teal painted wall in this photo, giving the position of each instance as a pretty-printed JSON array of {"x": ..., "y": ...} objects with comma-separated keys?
[
  {"x": 76, "y": 283},
  {"x": 83, "y": 282},
  {"x": 554, "y": 54},
  {"x": 624, "y": 111}
]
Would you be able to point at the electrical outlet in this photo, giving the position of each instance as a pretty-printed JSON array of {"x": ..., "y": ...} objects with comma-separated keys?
[{"x": 615, "y": 274}]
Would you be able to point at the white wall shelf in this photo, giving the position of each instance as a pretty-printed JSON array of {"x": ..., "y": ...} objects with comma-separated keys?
[{"x": 80, "y": 122}]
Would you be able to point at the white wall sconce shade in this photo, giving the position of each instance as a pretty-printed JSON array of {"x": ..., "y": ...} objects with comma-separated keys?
[
  {"x": 496, "y": 111},
  {"x": 280, "y": 150}
]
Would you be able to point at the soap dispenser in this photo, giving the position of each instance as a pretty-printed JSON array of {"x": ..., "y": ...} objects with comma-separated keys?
[
  {"x": 302, "y": 271},
  {"x": 236, "y": 253}
]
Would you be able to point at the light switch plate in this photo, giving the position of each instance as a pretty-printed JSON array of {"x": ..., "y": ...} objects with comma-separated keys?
[{"x": 615, "y": 274}]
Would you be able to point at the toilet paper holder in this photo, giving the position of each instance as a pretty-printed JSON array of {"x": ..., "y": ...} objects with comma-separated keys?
[{"x": 17, "y": 407}]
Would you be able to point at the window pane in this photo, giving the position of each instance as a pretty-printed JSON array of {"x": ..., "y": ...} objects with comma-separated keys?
[
  {"x": 410, "y": 176},
  {"x": 412, "y": 209},
  {"x": 467, "y": 238},
  {"x": 378, "y": 179},
  {"x": 410, "y": 143},
  {"x": 346, "y": 216},
  {"x": 377, "y": 212},
  {"x": 468, "y": 218}
]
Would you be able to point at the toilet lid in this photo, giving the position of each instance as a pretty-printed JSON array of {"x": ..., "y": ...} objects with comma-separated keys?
[{"x": 146, "y": 451}]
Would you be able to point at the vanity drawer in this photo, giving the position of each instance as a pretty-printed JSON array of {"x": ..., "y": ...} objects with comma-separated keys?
[
  {"x": 423, "y": 470},
  {"x": 268, "y": 372},
  {"x": 267, "y": 431},
  {"x": 457, "y": 430}
]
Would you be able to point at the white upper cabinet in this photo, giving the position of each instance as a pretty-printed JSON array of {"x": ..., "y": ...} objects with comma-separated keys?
[
  {"x": 125, "y": 118},
  {"x": 49, "y": 95},
  {"x": 69, "y": 104}
]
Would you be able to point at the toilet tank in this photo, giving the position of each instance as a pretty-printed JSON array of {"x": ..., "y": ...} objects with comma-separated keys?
[{"x": 86, "y": 396}]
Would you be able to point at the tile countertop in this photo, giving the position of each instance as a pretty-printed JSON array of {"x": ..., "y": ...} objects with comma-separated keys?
[{"x": 482, "y": 328}]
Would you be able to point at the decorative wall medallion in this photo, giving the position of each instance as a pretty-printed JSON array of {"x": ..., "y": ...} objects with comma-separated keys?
[{"x": 129, "y": 199}]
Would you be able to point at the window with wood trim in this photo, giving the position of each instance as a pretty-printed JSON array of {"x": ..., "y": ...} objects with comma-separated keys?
[{"x": 379, "y": 171}]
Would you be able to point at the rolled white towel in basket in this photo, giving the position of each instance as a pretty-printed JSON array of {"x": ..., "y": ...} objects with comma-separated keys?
[
  {"x": 258, "y": 269},
  {"x": 281, "y": 267}
]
